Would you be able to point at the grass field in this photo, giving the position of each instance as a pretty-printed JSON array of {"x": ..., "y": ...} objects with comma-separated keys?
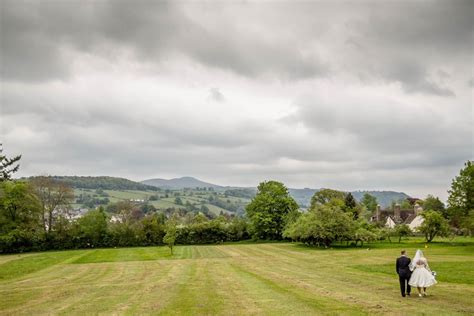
[
  {"x": 233, "y": 279},
  {"x": 198, "y": 198}
]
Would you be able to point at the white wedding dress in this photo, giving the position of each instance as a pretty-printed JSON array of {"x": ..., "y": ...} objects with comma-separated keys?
[{"x": 421, "y": 275}]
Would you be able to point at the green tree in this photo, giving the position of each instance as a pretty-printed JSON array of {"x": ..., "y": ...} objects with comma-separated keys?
[
  {"x": 325, "y": 196},
  {"x": 322, "y": 225},
  {"x": 350, "y": 206},
  {"x": 434, "y": 224},
  {"x": 147, "y": 208},
  {"x": 467, "y": 224},
  {"x": 8, "y": 166},
  {"x": 171, "y": 233},
  {"x": 153, "y": 228},
  {"x": 461, "y": 195},
  {"x": 349, "y": 201},
  {"x": 178, "y": 201},
  {"x": 386, "y": 232},
  {"x": 363, "y": 232},
  {"x": 432, "y": 203},
  {"x": 19, "y": 207},
  {"x": 205, "y": 210},
  {"x": 199, "y": 218},
  {"x": 268, "y": 210},
  {"x": 93, "y": 226},
  {"x": 405, "y": 204},
  {"x": 402, "y": 230},
  {"x": 370, "y": 202}
]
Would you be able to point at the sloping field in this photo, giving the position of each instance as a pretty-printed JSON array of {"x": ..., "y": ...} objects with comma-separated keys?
[{"x": 234, "y": 279}]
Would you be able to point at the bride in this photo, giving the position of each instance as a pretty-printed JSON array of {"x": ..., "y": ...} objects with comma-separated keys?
[{"x": 421, "y": 276}]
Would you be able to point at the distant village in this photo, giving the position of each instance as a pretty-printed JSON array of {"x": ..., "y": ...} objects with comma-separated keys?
[
  {"x": 396, "y": 215},
  {"x": 389, "y": 217}
]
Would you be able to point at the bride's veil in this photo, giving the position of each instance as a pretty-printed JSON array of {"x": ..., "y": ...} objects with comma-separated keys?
[{"x": 418, "y": 255}]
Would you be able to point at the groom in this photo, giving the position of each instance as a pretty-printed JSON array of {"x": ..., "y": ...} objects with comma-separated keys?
[{"x": 404, "y": 273}]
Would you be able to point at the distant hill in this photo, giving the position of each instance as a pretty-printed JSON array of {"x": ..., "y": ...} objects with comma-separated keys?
[
  {"x": 302, "y": 196},
  {"x": 384, "y": 198},
  {"x": 180, "y": 183},
  {"x": 104, "y": 183}
]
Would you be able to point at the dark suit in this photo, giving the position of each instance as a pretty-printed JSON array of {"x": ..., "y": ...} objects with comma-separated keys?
[{"x": 404, "y": 274}]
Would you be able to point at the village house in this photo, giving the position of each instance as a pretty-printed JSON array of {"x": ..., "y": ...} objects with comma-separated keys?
[{"x": 396, "y": 215}]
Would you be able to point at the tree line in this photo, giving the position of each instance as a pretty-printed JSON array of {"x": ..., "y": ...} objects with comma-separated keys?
[
  {"x": 104, "y": 183},
  {"x": 336, "y": 216},
  {"x": 35, "y": 215}
]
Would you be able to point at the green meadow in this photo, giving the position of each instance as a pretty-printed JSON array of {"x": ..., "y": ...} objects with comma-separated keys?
[
  {"x": 234, "y": 279},
  {"x": 197, "y": 198}
]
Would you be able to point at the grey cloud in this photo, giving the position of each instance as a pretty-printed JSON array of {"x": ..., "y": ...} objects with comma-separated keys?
[
  {"x": 414, "y": 78},
  {"x": 27, "y": 53},
  {"x": 268, "y": 52},
  {"x": 394, "y": 42},
  {"x": 216, "y": 95},
  {"x": 35, "y": 36},
  {"x": 395, "y": 135},
  {"x": 169, "y": 128},
  {"x": 433, "y": 26},
  {"x": 406, "y": 42}
]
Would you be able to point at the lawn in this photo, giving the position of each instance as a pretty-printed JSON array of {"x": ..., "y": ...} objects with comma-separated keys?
[{"x": 234, "y": 279}]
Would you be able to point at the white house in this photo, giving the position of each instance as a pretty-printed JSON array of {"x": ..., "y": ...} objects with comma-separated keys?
[
  {"x": 416, "y": 222},
  {"x": 390, "y": 223}
]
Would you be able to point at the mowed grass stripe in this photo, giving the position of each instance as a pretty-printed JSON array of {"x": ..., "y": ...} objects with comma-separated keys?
[
  {"x": 124, "y": 254},
  {"x": 326, "y": 284},
  {"x": 77, "y": 297},
  {"x": 280, "y": 274},
  {"x": 196, "y": 294},
  {"x": 31, "y": 263},
  {"x": 288, "y": 300},
  {"x": 231, "y": 279},
  {"x": 236, "y": 297},
  {"x": 154, "y": 291},
  {"x": 349, "y": 286},
  {"x": 207, "y": 252},
  {"x": 159, "y": 293},
  {"x": 150, "y": 253}
]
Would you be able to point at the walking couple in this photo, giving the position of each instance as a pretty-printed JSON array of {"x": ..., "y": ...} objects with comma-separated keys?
[{"x": 414, "y": 273}]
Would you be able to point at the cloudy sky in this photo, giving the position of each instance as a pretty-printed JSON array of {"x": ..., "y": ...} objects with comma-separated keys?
[{"x": 347, "y": 95}]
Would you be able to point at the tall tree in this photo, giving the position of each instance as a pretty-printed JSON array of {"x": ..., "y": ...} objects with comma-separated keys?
[
  {"x": 171, "y": 233},
  {"x": 19, "y": 207},
  {"x": 93, "y": 226},
  {"x": 322, "y": 225},
  {"x": 269, "y": 209},
  {"x": 325, "y": 196},
  {"x": 349, "y": 201},
  {"x": 8, "y": 166},
  {"x": 461, "y": 194},
  {"x": 434, "y": 224},
  {"x": 55, "y": 198},
  {"x": 402, "y": 230},
  {"x": 370, "y": 202},
  {"x": 434, "y": 204}
]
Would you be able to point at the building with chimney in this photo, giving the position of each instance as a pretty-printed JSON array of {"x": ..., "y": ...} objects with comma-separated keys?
[{"x": 391, "y": 217}]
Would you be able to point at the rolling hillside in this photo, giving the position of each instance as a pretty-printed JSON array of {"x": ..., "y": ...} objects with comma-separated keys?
[
  {"x": 180, "y": 183},
  {"x": 128, "y": 189},
  {"x": 104, "y": 183},
  {"x": 302, "y": 196}
]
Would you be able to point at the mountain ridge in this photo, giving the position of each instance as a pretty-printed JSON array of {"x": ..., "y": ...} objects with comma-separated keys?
[
  {"x": 180, "y": 183},
  {"x": 302, "y": 196}
]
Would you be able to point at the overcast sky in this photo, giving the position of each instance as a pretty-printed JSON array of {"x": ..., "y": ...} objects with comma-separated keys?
[{"x": 347, "y": 95}]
